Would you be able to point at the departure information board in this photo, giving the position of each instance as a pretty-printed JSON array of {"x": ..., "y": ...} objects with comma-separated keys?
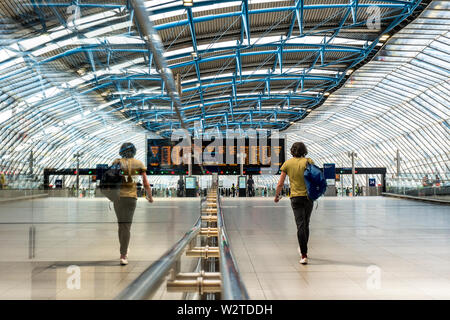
[{"x": 222, "y": 156}]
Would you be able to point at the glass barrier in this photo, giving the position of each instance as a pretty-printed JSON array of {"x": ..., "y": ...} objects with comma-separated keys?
[{"x": 429, "y": 186}]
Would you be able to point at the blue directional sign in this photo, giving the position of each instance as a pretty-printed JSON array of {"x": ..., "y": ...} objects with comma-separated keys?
[{"x": 329, "y": 170}]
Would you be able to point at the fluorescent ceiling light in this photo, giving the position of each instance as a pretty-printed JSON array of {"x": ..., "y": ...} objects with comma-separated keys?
[
  {"x": 165, "y": 15},
  {"x": 384, "y": 37},
  {"x": 217, "y": 6},
  {"x": 108, "y": 29}
]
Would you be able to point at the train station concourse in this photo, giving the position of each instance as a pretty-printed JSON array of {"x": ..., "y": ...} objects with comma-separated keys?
[{"x": 224, "y": 150}]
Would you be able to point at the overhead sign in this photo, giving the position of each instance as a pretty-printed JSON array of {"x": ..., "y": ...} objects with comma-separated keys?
[
  {"x": 222, "y": 155},
  {"x": 329, "y": 173},
  {"x": 58, "y": 184}
]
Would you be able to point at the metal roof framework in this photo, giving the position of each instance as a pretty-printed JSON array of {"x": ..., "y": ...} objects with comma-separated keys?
[
  {"x": 398, "y": 101},
  {"x": 76, "y": 75},
  {"x": 243, "y": 64}
]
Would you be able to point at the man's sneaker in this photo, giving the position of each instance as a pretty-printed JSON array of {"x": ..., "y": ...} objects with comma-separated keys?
[
  {"x": 304, "y": 260},
  {"x": 124, "y": 261}
]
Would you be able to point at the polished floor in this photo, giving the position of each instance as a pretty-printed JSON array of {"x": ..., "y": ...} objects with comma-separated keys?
[
  {"x": 360, "y": 248},
  {"x": 75, "y": 251}
]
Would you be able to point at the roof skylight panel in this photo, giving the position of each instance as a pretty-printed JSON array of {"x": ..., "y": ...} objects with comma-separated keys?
[{"x": 436, "y": 71}]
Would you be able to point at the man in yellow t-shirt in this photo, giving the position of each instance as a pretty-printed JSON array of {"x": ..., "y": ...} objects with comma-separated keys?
[{"x": 301, "y": 205}]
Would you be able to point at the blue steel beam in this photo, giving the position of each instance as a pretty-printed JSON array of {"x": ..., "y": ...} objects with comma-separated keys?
[
  {"x": 200, "y": 87},
  {"x": 352, "y": 7},
  {"x": 266, "y": 79},
  {"x": 385, "y": 3},
  {"x": 226, "y": 102},
  {"x": 299, "y": 9},
  {"x": 271, "y": 124},
  {"x": 278, "y": 59},
  {"x": 212, "y": 58},
  {"x": 37, "y": 9},
  {"x": 192, "y": 28},
  {"x": 239, "y": 98},
  {"x": 392, "y": 4},
  {"x": 245, "y": 22},
  {"x": 276, "y": 9},
  {"x": 220, "y": 114},
  {"x": 238, "y": 63}
]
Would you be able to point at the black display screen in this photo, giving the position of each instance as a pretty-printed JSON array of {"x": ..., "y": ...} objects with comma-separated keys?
[{"x": 222, "y": 156}]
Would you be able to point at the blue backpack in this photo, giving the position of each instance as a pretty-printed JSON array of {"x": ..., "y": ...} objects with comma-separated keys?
[{"x": 315, "y": 182}]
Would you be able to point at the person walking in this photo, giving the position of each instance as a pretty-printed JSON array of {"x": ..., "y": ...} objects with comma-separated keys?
[
  {"x": 301, "y": 205},
  {"x": 437, "y": 181},
  {"x": 250, "y": 186},
  {"x": 126, "y": 204},
  {"x": 2, "y": 180}
]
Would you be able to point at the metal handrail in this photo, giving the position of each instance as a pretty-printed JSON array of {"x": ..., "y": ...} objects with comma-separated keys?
[
  {"x": 144, "y": 286},
  {"x": 149, "y": 281},
  {"x": 232, "y": 286}
]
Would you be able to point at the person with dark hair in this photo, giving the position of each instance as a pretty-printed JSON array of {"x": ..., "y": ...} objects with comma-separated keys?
[
  {"x": 2, "y": 180},
  {"x": 126, "y": 205},
  {"x": 180, "y": 190},
  {"x": 301, "y": 204},
  {"x": 250, "y": 186},
  {"x": 425, "y": 181},
  {"x": 437, "y": 181}
]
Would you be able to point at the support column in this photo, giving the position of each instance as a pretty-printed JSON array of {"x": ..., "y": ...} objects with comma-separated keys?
[{"x": 353, "y": 173}]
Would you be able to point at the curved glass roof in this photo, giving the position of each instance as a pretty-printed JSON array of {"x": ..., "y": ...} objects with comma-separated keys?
[
  {"x": 398, "y": 101},
  {"x": 76, "y": 75}
]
